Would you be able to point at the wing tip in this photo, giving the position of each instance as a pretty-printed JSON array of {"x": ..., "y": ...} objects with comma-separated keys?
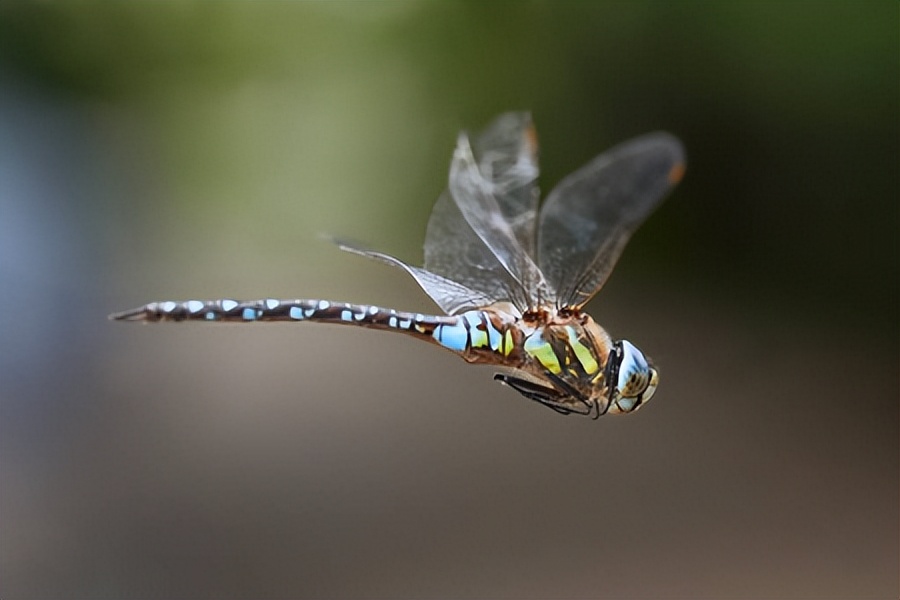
[
  {"x": 668, "y": 145},
  {"x": 676, "y": 173},
  {"x": 347, "y": 245}
]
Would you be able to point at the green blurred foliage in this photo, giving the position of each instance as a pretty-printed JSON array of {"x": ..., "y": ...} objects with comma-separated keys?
[
  {"x": 154, "y": 150},
  {"x": 789, "y": 112}
]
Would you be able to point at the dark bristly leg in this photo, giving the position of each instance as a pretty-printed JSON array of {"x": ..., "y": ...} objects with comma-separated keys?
[
  {"x": 574, "y": 394},
  {"x": 548, "y": 396}
]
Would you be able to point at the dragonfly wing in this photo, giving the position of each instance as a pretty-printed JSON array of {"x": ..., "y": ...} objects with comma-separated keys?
[
  {"x": 455, "y": 252},
  {"x": 461, "y": 270},
  {"x": 489, "y": 211},
  {"x": 587, "y": 219},
  {"x": 506, "y": 155},
  {"x": 451, "y": 296}
]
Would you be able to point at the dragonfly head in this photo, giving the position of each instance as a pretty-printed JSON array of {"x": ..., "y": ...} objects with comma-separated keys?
[{"x": 632, "y": 378}]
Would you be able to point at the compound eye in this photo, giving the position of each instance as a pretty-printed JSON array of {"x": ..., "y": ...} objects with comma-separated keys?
[
  {"x": 637, "y": 379},
  {"x": 634, "y": 372}
]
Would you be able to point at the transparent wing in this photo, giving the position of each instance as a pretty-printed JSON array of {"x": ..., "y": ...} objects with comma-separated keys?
[
  {"x": 451, "y": 296},
  {"x": 481, "y": 231},
  {"x": 454, "y": 252},
  {"x": 506, "y": 154},
  {"x": 587, "y": 219}
]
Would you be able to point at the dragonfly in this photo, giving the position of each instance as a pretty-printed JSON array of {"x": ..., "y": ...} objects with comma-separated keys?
[{"x": 511, "y": 275}]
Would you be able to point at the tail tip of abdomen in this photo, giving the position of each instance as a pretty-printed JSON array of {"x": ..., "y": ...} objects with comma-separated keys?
[{"x": 141, "y": 313}]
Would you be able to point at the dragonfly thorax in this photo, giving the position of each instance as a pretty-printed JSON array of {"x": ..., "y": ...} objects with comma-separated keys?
[{"x": 578, "y": 357}]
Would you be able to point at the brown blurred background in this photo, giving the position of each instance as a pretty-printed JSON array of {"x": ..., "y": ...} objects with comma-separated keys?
[{"x": 197, "y": 150}]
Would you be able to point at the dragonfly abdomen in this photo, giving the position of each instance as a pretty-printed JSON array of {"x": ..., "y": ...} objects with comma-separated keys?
[
  {"x": 253, "y": 311},
  {"x": 476, "y": 334}
]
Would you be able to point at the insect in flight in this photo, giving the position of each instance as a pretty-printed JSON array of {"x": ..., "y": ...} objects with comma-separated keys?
[{"x": 511, "y": 279}]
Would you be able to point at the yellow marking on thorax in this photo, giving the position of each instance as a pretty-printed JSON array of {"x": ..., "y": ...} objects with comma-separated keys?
[
  {"x": 582, "y": 352},
  {"x": 508, "y": 342},
  {"x": 541, "y": 350}
]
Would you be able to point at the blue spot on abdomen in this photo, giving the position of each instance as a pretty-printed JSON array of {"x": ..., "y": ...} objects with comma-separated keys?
[{"x": 453, "y": 337}]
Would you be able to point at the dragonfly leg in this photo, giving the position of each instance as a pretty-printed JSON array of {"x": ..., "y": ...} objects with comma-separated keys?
[
  {"x": 550, "y": 397},
  {"x": 588, "y": 405}
]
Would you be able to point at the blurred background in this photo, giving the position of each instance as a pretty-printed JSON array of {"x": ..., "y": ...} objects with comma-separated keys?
[{"x": 155, "y": 151}]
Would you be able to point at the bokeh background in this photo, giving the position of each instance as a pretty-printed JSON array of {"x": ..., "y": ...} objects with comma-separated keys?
[{"x": 156, "y": 151}]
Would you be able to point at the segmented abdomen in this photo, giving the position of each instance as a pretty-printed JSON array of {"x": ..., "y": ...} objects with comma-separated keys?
[
  {"x": 233, "y": 311},
  {"x": 476, "y": 334},
  {"x": 481, "y": 336}
]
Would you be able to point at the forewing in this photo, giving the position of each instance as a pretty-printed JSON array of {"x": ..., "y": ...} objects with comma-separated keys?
[
  {"x": 461, "y": 270},
  {"x": 455, "y": 252},
  {"x": 587, "y": 219},
  {"x": 451, "y": 296},
  {"x": 506, "y": 155},
  {"x": 492, "y": 205}
]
